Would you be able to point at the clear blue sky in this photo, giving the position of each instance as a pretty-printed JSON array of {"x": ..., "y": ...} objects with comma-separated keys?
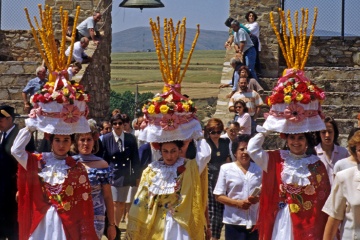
[{"x": 210, "y": 14}]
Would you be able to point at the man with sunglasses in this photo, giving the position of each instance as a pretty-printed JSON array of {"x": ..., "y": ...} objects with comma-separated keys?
[{"x": 121, "y": 152}]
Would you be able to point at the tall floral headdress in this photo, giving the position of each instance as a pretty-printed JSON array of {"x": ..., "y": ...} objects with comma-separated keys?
[
  {"x": 295, "y": 100},
  {"x": 60, "y": 106},
  {"x": 170, "y": 115}
]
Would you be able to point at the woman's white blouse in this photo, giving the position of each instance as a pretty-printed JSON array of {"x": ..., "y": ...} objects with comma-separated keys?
[{"x": 233, "y": 183}]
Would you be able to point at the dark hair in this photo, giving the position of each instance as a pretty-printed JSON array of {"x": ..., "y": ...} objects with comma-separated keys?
[
  {"x": 52, "y": 136},
  {"x": 310, "y": 142},
  {"x": 94, "y": 133},
  {"x": 228, "y": 22},
  {"x": 71, "y": 21},
  {"x": 178, "y": 143},
  {"x": 233, "y": 123},
  {"x": 77, "y": 64},
  {"x": 125, "y": 118},
  {"x": 246, "y": 109},
  {"x": 116, "y": 117},
  {"x": 336, "y": 130},
  {"x": 240, "y": 138},
  {"x": 248, "y": 14}
]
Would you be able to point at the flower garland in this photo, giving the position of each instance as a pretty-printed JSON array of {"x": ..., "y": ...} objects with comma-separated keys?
[
  {"x": 293, "y": 88},
  {"x": 169, "y": 103},
  {"x": 73, "y": 91}
]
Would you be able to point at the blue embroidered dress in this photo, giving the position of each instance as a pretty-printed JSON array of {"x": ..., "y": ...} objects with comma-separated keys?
[{"x": 97, "y": 178}]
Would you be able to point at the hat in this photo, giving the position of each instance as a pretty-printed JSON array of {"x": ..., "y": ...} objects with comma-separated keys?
[
  {"x": 170, "y": 116},
  {"x": 7, "y": 111},
  {"x": 60, "y": 105},
  {"x": 295, "y": 100}
]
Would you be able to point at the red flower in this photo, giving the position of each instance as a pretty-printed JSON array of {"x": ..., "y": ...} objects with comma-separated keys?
[
  {"x": 306, "y": 98},
  {"x": 157, "y": 108},
  {"x": 41, "y": 98},
  {"x": 277, "y": 98},
  {"x": 293, "y": 95},
  {"x": 179, "y": 107},
  {"x": 59, "y": 98},
  {"x": 302, "y": 87}
]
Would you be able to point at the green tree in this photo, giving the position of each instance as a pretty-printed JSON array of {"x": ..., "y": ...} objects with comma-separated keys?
[{"x": 126, "y": 102}]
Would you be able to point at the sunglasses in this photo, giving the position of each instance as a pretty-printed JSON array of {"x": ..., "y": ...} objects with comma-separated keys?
[
  {"x": 238, "y": 107},
  {"x": 215, "y": 132},
  {"x": 117, "y": 123}
]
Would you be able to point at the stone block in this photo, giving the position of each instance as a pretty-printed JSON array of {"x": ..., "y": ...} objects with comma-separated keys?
[
  {"x": 85, "y": 5},
  {"x": 22, "y": 44},
  {"x": 15, "y": 69},
  {"x": 66, "y": 4},
  {"x": 3, "y": 67},
  {"x": 4, "y": 94},
  {"x": 356, "y": 58},
  {"x": 50, "y": 2}
]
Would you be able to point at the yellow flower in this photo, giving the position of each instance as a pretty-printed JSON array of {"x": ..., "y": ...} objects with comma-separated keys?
[
  {"x": 318, "y": 178},
  {"x": 287, "y": 99},
  {"x": 51, "y": 84},
  {"x": 156, "y": 99},
  {"x": 164, "y": 109},
  {"x": 186, "y": 107},
  {"x": 69, "y": 190},
  {"x": 67, "y": 206},
  {"x": 190, "y": 102},
  {"x": 65, "y": 91},
  {"x": 299, "y": 97},
  {"x": 269, "y": 101},
  {"x": 307, "y": 205},
  {"x": 311, "y": 88},
  {"x": 294, "y": 208},
  {"x": 151, "y": 109},
  {"x": 287, "y": 89}
]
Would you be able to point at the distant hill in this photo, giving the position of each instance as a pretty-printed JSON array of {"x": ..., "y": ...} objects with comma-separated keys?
[{"x": 140, "y": 39}]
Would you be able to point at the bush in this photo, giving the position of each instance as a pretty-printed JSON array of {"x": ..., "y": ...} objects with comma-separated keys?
[{"x": 126, "y": 102}]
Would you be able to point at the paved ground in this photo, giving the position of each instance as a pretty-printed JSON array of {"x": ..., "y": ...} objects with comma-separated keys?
[{"x": 123, "y": 229}]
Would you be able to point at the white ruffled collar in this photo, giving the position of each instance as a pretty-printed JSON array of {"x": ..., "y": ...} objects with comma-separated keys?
[
  {"x": 164, "y": 181},
  {"x": 295, "y": 168},
  {"x": 55, "y": 170}
]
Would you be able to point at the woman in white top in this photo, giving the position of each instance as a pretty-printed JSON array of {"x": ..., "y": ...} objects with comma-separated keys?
[
  {"x": 348, "y": 162},
  {"x": 343, "y": 204},
  {"x": 242, "y": 117},
  {"x": 254, "y": 28},
  {"x": 328, "y": 149},
  {"x": 235, "y": 183}
]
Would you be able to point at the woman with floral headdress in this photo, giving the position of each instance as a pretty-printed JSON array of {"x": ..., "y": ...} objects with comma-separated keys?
[{"x": 54, "y": 191}]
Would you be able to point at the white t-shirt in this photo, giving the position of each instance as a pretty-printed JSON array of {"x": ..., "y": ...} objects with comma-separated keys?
[
  {"x": 233, "y": 183},
  {"x": 85, "y": 25},
  {"x": 255, "y": 30},
  {"x": 343, "y": 164}
]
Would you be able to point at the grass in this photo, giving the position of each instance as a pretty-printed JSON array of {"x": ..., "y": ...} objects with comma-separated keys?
[{"x": 142, "y": 68}]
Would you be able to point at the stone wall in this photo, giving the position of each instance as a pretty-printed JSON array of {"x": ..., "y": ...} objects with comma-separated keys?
[
  {"x": 14, "y": 43},
  {"x": 269, "y": 56},
  {"x": 96, "y": 77}
]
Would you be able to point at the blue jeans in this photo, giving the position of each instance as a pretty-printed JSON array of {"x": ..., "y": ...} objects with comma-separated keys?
[
  {"x": 250, "y": 59},
  {"x": 237, "y": 232}
]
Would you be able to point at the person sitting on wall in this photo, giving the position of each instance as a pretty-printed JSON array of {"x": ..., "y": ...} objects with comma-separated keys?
[
  {"x": 87, "y": 28},
  {"x": 33, "y": 86},
  {"x": 74, "y": 69},
  {"x": 79, "y": 54}
]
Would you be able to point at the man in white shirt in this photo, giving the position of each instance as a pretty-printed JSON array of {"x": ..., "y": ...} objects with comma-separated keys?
[
  {"x": 87, "y": 28},
  {"x": 79, "y": 54},
  {"x": 244, "y": 46}
]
